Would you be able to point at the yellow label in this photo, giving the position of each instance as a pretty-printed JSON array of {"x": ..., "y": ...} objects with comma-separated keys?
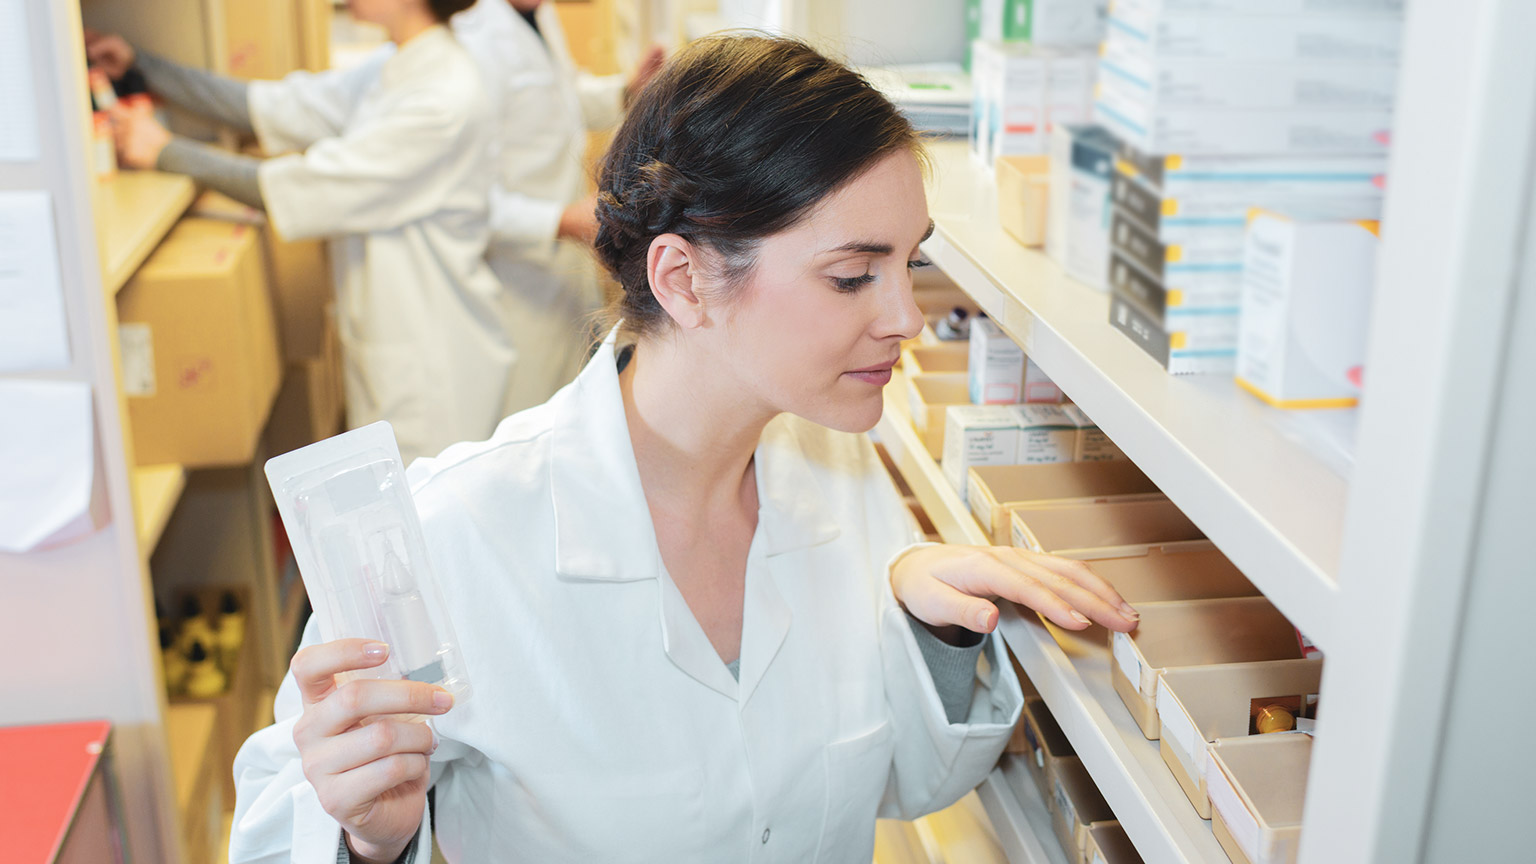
[
  {"x": 1173, "y": 163},
  {"x": 1175, "y": 254},
  {"x": 1371, "y": 225},
  {"x": 1125, "y": 167},
  {"x": 1296, "y": 404},
  {"x": 1170, "y": 207},
  {"x": 1175, "y": 297},
  {"x": 1177, "y": 340}
]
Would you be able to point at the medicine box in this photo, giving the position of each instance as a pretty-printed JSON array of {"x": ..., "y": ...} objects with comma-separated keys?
[
  {"x": 1076, "y": 805},
  {"x": 1077, "y": 220},
  {"x": 977, "y": 435},
  {"x": 1112, "y": 529},
  {"x": 1302, "y": 38},
  {"x": 1258, "y": 786},
  {"x": 1008, "y": 100},
  {"x": 1144, "y": 10},
  {"x": 200, "y": 358},
  {"x": 1162, "y": 129},
  {"x": 1306, "y": 308},
  {"x": 943, "y": 357},
  {"x": 1193, "y": 176},
  {"x": 1092, "y": 444},
  {"x": 1048, "y": 746},
  {"x": 1198, "y": 704},
  {"x": 1199, "y": 291},
  {"x": 1022, "y": 187},
  {"x": 1054, "y": 22},
  {"x": 1193, "y": 633},
  {"x": 1174, "y": 219},
  {"x": 1046, "y": 434},
  {"x": 1172, "y": 350},
  {"x": 1109, "y": 844},
  {"x": 1039, "y": 389},
  {"x": 928, "y": 396},
  {"x": 996, "y": 491},
  {"x": 1192, "y": 329},
  {"x": 1208, "y": 251},
  {"x": 996, "y": 365}
]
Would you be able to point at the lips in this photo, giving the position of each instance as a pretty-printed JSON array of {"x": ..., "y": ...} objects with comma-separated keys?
[{"x": 877, "y": 375}]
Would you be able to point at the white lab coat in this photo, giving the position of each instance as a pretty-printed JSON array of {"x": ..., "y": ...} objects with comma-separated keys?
[
  {"x": 392, "y": 164},
  {"x": 545, "y": 106},
  {"x": 603, "y": 726}
]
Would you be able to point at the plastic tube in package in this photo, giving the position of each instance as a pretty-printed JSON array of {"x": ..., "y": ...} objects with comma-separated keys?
[{"x": 357, "y": 538}]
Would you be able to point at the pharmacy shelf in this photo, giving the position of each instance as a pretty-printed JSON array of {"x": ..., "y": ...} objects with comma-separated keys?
[
  {"x": 156, "y": 489},
  {"x": 1075, "y": 683},
  {"x": 1019, "y": 815},
  {"x": 1238, "y": 468},
  {"x": 135, "y": 210}
]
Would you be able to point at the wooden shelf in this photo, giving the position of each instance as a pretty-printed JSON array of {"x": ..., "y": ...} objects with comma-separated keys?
[
  {"x": 1255, "y": 485},
  {"x": 135, "y": 210},
  {"x": 156, "y": 489}
]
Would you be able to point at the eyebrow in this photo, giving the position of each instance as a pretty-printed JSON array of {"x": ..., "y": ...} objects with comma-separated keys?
[{"x": 877, "y": 248}]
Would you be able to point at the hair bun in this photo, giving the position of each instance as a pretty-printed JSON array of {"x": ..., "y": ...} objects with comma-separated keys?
[{"x": 668, "y": 194}]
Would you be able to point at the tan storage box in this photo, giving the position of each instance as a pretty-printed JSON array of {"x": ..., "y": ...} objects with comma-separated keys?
[
  {"x": 1111, "y": 530},
  {"x": 200, "y": 359},
  {"x": 1194, "y": 633},
  {"x": 1258, "y": 786},
  {"x": 1198, "y": 704},
  {"x": 1046, "y": 743},
  {"x": 1023, "y": 193},
  {"x": 1109, "y": 844},
  {"x": 262, "y": 39},
  {"x": 945, "y": 357},
  {"x": 927, "y": 397},
  {"x": 1076, "y": 806},
  {"x": 995, "y": 491},
  {"x": 1178, "y": 572}
]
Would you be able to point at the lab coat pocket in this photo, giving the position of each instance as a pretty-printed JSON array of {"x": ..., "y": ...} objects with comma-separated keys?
[{"x": 857, "y": 771}]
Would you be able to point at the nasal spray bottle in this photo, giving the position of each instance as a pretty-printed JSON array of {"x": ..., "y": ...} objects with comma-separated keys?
[{"x": 348, "y": 510}]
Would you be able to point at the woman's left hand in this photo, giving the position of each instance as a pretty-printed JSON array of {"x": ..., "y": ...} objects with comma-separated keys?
[
  {"x": 954, "y": 586},
  {"x": 140, "y": 138}
]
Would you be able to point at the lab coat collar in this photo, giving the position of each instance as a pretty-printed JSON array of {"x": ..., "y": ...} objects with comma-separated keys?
[
  {"x": 603, "y": 528},
  {"x": 418, "y": 56}
]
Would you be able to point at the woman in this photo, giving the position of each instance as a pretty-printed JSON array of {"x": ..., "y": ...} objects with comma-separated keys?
[
  {"x": 686, "y": 592},
  {"x": 390, "y": 159}
]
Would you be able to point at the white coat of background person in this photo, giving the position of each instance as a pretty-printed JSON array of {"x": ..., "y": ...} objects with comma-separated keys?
[
  {"x": 541, "y": 212},
  {"x": 388, "y": 159}
]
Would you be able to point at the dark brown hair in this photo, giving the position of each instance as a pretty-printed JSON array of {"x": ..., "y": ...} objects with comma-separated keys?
[
  {"x": 736, "y": 139},
  {"x": 442, "y": 10}
]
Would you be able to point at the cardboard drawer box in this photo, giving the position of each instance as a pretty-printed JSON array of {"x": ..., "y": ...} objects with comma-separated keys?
[
  {"x": 1194, "y": 633},
  {"x": 945, "y": 357},
  {"x": 1023, "y": 194},
  {"x": 1109, "y": 530},
  {"x": 1258, "y": 786},
  {"x": 1198, "y": 704},
  {"x": 996, "y": 491},
  {"x": 1109, "y": 844},
  {"x": 1179, "y": 572},
  {"x": 928, "y": 396},
  {"x": 1076, "y": 805},
  {"x": 200, "y": 359},
  {"x": 1047, "y": 745}
]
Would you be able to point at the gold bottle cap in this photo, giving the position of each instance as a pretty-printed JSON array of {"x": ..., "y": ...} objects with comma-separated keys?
[{"x": 1273, "y": 718}]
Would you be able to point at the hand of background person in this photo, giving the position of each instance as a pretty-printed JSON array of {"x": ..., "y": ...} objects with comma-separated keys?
[
  {"x": 579, "y": 221},
  {"x": 139, "y": 136},
  {"x": 947, "y": 587},
  {"x": 369, "y": 765},
  {"x": 650, "y": 64},
  {"x": 109, "y": 52}
]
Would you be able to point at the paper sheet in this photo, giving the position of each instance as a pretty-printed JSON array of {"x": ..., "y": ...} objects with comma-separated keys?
[
  {"x": 33, "y": 331},
  {"x": 18, "y": 108},
  {"x": 47, "y": 463}
]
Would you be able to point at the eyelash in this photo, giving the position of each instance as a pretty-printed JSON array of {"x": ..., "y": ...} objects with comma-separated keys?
[{"x": 854, "y": 283}]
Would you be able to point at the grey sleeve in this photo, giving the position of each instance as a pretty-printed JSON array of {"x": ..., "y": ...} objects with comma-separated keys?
[
  {"x": 199, "y": 91},
  {"x": 344, "y": 855},
  {"x": 230, "y": 173},
  {"x": 953, "y": 668}
]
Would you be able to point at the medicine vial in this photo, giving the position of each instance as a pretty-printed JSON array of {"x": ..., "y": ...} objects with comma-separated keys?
[
  {"x": 1273, "y": 718},
  {"x": 413, "y": 641}
]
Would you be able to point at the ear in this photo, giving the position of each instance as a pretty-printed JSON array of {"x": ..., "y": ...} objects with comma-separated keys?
[{"x": 672, "y": 266}]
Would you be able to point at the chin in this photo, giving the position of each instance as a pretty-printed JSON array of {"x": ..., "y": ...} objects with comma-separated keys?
[{"x": 850, "y": 416}]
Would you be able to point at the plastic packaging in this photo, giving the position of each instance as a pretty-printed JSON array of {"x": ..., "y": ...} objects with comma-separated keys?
[{"x": 347, "y": 507}]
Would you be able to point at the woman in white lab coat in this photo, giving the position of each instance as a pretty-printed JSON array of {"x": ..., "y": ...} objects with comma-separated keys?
[
  {"x": 541, "y": 213},
  {"x": 389, "y": 159},
  {"x": 688, "y": 597}
]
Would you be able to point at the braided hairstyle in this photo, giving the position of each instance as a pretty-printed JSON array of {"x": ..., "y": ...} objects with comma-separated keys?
[{"x": 735, "y": 140}]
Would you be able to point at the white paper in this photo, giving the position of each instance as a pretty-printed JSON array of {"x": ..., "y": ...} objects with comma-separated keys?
[
  {"x": 33, "y": 333},
  {"x": 1125, "y": 655},
  {"x": 1224, "y": 800},
  {"x": 47, "y": 463},
  {"x": 18, "y": 108},
  {"x": 136, "y": 348},
  {"x": 1179, "y": 731},
  {"x": 1064, "y": 804}
]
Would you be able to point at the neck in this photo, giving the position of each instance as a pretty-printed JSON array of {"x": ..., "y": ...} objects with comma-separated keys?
[
  {"x": 694, "y": 435},
  {"x": 412, "y": 23}
]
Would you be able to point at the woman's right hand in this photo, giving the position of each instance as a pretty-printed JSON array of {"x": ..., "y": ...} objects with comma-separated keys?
[
  {"x": 369, "y": 766},
  {"x": 109, "y": 52}
]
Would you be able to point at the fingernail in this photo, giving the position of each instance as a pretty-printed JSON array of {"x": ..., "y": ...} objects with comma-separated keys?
[
  {"x": 375, "y": 650},
  {"x": 442, "y": 700},
  {"x": 981, "y": 620},
  {"x": 1129, "y": 611},
  {"x": 1080, "y": 617},
  {"x": 435, "y": 740}
]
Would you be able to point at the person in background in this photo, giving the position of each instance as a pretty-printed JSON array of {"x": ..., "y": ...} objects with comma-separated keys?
[
  {"x": 686, "y": 591},
  {"x": 542, "y": 217},
  {"x": 388, "y": 159}
]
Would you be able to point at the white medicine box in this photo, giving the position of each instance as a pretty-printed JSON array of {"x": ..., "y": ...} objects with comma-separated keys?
[
  {"x": 996, "y": 365},
  {"x": 1306, "y": 300},
  {"x": 977, "y": 435},
  {"x": 1092, "y": 444}
]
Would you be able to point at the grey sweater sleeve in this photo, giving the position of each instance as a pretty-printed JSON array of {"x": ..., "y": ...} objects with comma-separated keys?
[
  {"x": 213, "y": 96},
  {"x": 344, "y": 855},
  {"x": 953, "y": 668},
  {"x": 230, "y": 173}
]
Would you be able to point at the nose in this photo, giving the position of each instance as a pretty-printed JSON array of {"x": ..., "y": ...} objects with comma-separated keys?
[{"x": 900, "y": 315}]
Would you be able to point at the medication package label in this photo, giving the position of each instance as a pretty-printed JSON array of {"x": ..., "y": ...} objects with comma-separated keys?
[{"x": 1125, "y": 655}]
